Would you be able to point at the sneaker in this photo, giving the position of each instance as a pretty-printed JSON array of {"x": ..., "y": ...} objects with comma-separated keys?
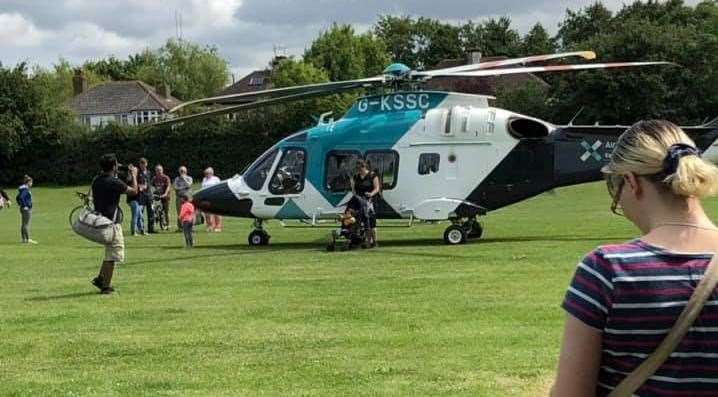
[
  {"x": 107, "y": 291},
  {"x": 97, "y": 282},
  {"x": 31, "y": 241},
  {"x": 145, "y": 234}
]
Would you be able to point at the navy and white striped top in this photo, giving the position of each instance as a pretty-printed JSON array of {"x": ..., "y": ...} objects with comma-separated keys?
[{"x": 633, "y": 293}]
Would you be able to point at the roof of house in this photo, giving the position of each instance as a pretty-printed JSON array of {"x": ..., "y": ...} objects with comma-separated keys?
[
  {"x": 255, "y": 81},
  {"x": 116, "y": 97},
  {"x": 480, "y": 85}
]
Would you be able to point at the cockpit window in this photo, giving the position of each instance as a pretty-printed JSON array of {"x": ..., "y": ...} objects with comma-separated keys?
[
  {"x": 258, "y": 172},
  {"x": 289, "y": 176}
]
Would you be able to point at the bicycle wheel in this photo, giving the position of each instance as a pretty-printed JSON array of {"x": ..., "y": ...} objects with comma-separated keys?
[{"x": 74, "y": 214}]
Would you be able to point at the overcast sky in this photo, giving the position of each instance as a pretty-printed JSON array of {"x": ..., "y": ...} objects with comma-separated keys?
[{"x": 245, "y": 31}]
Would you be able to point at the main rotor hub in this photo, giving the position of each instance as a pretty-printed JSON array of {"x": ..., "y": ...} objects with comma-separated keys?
[{"x": 397, "y": 71}]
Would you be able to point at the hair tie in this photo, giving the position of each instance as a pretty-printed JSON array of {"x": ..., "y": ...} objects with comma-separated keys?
[{"x": 675, "y": 152}]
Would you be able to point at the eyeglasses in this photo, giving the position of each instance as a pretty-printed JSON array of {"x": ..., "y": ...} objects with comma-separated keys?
[{"x": 615, "y": 183}]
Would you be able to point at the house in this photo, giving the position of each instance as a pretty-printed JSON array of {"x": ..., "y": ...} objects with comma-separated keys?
[
  {"x": 479, "y": 85},
  {"x": 258, "y": 80},
  {"x": 125, "y": 102}
]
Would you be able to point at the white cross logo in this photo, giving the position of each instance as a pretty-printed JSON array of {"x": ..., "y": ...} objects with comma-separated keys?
[{"x": 591, "y": 151}]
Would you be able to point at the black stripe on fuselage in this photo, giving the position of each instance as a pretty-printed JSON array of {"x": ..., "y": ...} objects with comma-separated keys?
[{"x": 569, "y": 156}]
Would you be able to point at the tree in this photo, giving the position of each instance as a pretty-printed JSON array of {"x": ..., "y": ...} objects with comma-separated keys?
[
  {"x": 530, "y": 99},
  {"x": 500, "y": 39},
  {"x": 420, "y": 43},
  {"x": 31, "y": 125},
  {"x": 578, "y": 26},
  {"x": 684, "y": 94},
  {"x": 398, "y": 35},
  {"x": 537, "y": 41},
  {"x": 346, "y": 55},
  {"x": 56, "y": 82},
  {"x": 192, "y": 71}
]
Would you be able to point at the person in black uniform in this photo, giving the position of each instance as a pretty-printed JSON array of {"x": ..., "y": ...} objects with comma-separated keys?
[
  {"x": 366, "y": 184},
  {"x": 106, "y": 192}
]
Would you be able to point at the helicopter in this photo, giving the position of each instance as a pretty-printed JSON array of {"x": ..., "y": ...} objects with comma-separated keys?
[{"x": 439, "y": 155}]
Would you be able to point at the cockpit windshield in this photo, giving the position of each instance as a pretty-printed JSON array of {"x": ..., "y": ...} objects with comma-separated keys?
[{"x": 257, "y": 173}]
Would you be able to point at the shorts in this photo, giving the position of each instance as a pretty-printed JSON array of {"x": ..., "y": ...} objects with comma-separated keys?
[{"x": 115, "y": 251}]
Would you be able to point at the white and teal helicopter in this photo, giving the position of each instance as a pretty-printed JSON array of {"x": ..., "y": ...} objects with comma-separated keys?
[{"x": 440, "y": 155}]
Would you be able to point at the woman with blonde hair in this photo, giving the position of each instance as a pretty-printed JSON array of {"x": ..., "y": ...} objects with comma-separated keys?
[{"x": 624, "y": 298}]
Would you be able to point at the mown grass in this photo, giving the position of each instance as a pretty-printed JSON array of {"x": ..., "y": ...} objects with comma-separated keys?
[{"x": 413, "y": 317}]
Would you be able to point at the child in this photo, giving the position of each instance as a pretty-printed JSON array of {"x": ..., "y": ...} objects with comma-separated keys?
[
  {"x": 24, "y": 203},
  {"x": 186, "y": 217}
]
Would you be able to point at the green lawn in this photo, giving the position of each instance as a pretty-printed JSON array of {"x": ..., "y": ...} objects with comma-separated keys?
[{"x": 413, "y": 317}]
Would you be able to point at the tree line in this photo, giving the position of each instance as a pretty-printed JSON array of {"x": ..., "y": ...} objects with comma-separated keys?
[{"x": 38, "y": 131}]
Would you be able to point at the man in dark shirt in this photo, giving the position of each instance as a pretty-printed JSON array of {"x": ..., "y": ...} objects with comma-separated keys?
[
  {"x": 106, "y": 192},
  {"x": 144, "y": 183},
  {"x": 162, "y": 183}
]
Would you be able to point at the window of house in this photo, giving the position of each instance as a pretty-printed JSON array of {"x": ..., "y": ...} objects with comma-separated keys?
[
  {"x": 386, "y": 165},
  {"x": 339, "y": 168},
  {"x": 259, "y": 80},
  {"x": 429, "y": 163},
  {"x": 289, "y": 176},
  {"x": 257, "y": 173}
]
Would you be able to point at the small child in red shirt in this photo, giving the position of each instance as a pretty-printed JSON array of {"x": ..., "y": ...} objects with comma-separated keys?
[{"x": 186, "y": 217}]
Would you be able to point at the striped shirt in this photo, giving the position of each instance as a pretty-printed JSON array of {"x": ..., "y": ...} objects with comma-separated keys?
[{"x": 633, "y": 293}]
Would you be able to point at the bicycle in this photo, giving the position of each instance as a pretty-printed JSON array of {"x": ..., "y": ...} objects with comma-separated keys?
[
  {"x": 88, "y": 205},
  {"x": 158, "y": 209}
]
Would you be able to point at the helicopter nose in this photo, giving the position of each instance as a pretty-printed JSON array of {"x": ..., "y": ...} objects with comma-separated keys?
[{"x": 220, "y": 200}]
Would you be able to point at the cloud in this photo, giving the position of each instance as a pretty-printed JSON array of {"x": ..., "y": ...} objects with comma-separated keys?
[
  {"x": 244, "y": 31},
  {"x": 15, "y": 29}
]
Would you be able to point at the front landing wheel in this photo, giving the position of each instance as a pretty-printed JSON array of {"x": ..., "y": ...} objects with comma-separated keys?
[
  {"x": 258, "y": 237},
  {"x": 455, "y": 234}
]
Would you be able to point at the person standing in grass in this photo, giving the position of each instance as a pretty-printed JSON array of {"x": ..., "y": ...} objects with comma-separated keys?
[
  {"x": 624, "y": 298},
  {"x": 161, "y": 183},
  {"x": 136, "y": 201},
  {"x": 106, "y": 192},
  {"x": 186, "y": 218},
  {"x": 144, "y": 182},
  {"x": 24, "y": 203},
  {"x": 182, "y": 186},
  {"x": 214, "y": 222}
]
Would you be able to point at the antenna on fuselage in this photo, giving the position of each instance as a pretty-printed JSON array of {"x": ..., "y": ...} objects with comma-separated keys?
[{"x": 576, "y": 115}]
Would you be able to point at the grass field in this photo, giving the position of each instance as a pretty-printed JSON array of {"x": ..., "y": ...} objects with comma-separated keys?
[{"x": 413, "y": 317}]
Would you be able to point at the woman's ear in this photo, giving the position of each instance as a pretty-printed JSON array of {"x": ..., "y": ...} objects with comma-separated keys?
[{"x": 633, "y": 183}]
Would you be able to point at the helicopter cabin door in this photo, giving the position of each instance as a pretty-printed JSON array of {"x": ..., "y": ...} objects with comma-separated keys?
[{"x": 284, "y": 191}]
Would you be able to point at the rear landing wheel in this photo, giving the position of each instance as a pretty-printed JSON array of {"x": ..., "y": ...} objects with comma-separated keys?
[
  {"x": 455, "y": 234},
  {"x": 258, "y": 237},
  {"x": 474, "y": 230}
]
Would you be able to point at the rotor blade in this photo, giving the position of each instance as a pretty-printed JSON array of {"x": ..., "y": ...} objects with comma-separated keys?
[
  {"x": 237, "y": 108},
  {"x": 556, "y": 68},
  {"x": 328, "y": 88},
  {"x": 589, "y": 55}
]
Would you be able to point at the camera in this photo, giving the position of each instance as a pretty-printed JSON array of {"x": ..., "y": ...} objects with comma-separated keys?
[{"x": 123, "y": 173}]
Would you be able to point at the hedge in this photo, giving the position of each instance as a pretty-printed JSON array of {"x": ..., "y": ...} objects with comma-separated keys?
[{"x": 225, "y": 145}]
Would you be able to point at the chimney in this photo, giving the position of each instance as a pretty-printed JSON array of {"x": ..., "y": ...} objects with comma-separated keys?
[
  {"x": 79, "y": 82},
  {"x": 473, "y": 56},
  {"x": 164, "y": 90}
]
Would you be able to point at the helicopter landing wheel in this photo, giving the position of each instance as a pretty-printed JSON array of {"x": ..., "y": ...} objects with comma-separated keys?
[
  {"x": 473, "y": 228},
  {"x": 258, "y": 237},
  {"x": 455, "y": 234}
]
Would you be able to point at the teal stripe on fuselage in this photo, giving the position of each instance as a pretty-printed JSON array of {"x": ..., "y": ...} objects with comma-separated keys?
[{"x": 372, "y": 123}]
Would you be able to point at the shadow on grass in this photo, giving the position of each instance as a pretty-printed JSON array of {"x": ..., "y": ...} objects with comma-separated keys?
[{"x": 58, "y": 297}]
